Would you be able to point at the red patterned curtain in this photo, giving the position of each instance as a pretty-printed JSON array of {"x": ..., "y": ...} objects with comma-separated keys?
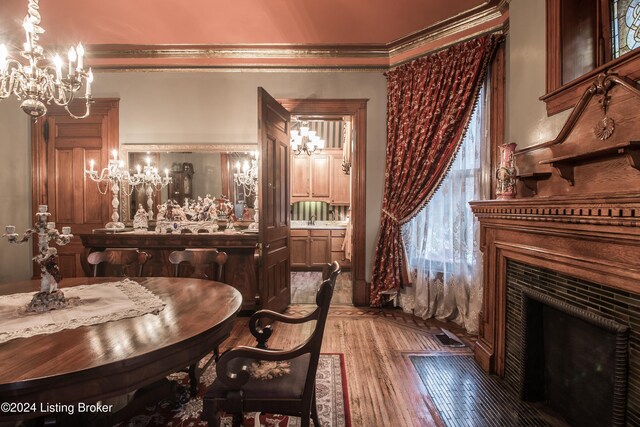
[{"x": 429, "y": 103}]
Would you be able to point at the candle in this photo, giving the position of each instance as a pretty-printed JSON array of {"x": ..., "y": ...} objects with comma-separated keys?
[
  {"x": 58, "y": 63},
  {"x": 138, "y": 169},
  {"x": 11, "y": 229},
  {"x": 148, "y": 161},
  {"x": 80, "y": 50},
  {"x": 51, "y": 225},
  {"x": 115, "y": 154},
  {"x": 72, "y": 59},
  {"x": 3, "y": 57},
  {"x": 238, "y": 166},
  {"x": 91, "y": 163},
  {"x": 66, "y": 230},
  {"x": 89, "y": 81},
  {"x": 28, "y": 28},
  {"x": 166, "y": 173}
]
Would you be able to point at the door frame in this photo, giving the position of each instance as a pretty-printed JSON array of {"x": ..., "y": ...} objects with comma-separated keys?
[{"x": 357, "y": 109}]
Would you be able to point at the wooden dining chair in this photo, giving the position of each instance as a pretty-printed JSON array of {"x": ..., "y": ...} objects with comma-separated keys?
[
  {"x": 206, "y": 263},
  {"x": 255, "y": 379},
  {"x": 122, "y": 259}
]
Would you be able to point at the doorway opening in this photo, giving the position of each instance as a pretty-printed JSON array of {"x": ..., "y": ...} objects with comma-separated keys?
[{"x": 310, "y": 241}]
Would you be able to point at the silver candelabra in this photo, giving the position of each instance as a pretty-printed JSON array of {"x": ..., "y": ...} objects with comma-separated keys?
[{"x": 49, "y": 297}]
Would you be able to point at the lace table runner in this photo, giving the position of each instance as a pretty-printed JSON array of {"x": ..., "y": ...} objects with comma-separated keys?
[{"x": 88, "y": 305}]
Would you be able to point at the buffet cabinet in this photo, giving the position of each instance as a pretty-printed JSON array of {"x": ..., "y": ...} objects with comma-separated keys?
[{"x": 240, "y": 271}]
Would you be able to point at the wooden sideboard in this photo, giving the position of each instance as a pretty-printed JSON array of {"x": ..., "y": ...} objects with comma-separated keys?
[{"x": 240, "y": 271}]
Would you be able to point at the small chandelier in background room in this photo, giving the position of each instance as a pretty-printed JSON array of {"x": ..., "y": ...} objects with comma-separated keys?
[
  {"x": 304, "y": 140},
  {"x": 37, "y": 85}
]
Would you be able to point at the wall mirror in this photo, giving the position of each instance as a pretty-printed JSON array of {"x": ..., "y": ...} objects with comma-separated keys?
[{"x": 196, "y": 170}]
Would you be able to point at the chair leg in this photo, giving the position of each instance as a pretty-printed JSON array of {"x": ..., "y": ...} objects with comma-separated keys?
[
  {"x": 210, "y": 414},
  {"x": 194, "y": 381},
  {"x": 237, "y": 420},
  {"x": 216, "y": 353},
  {"x": 314, "y": 410}
]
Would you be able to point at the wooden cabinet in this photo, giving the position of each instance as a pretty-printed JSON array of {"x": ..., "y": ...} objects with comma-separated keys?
[
  {"x": 300, "y": 183},
  {"x": 319, "y": 248},
  {"x": 299, "y": 248},
  {"x": 310, "y": 177},
  {"x": 312, "y": 249},
  {"x": 181, "y": 185},
  {"x": 337, "y": 253},
  {"x": 340, "y": 185},
  {"x": 240, "y": 270},
  {"x": 319, "y": 177}
]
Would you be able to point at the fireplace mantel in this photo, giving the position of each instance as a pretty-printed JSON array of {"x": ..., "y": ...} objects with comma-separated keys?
[{"x": 577, "y": 211}]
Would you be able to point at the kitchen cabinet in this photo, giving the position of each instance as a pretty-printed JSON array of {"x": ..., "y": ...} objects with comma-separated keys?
[
  {"x": 310, "y": 176},
  {"x": 310, "y": 249},
  {"x": 319, "y": 177},
  {"x": 337, "y": 253},
  {"x": 313, "y": 249},
  {"x": 340, "y": 185}
]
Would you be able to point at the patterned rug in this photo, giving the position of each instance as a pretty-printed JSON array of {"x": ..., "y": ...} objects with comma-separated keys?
[{"x": 331, "y": 394}]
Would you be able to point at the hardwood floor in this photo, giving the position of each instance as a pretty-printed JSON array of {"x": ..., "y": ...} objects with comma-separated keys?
[{"x": 384, "y": 388}]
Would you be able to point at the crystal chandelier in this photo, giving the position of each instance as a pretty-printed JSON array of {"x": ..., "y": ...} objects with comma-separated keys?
[
  {"x": 305, "y": 140},
  {"x": 36, "y": 85},
  {"x": 247, "y": 175}
]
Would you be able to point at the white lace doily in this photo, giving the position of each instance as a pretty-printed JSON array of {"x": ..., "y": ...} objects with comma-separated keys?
[{"x": 89, "y": 305}]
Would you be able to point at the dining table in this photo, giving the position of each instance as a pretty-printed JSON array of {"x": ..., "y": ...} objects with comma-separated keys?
[{"x": 88, "y": 365}]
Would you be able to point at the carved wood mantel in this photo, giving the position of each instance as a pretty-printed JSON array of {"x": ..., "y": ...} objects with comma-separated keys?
[{"x": 578, "y": 209}]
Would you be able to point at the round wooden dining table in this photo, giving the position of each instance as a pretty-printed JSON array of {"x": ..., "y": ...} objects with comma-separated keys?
[{"x": 92, "y": 363}]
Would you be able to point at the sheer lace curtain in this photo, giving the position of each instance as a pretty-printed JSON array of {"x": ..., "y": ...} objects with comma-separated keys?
[{"x": 442, "y": 241}]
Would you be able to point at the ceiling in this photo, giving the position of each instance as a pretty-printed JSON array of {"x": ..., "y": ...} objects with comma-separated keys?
[{"x": 131, "y": 33}]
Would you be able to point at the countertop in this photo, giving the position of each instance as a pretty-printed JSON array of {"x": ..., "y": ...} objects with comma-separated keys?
[{"x": 319, "y": 225}]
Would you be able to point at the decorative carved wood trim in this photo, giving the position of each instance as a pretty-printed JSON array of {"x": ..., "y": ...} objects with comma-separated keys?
[{"x": 569, "y": 95}]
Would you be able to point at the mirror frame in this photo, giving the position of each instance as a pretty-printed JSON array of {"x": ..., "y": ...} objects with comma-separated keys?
[{"x": 125, "y": 149}]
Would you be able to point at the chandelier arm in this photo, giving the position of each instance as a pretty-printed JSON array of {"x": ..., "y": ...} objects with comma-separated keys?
[{"x": 86, "y": 113}]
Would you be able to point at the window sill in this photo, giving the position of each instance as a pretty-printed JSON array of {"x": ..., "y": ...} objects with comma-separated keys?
[{"x": 567, "y": 96}]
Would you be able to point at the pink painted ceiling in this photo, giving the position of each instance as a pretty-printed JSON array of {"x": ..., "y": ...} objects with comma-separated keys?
[{"x": 216, "y": 22}]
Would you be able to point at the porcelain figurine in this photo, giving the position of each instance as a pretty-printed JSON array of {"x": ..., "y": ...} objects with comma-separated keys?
[
  {"x": 506, "y": 173},
  {"x": 141, "y": 219}
]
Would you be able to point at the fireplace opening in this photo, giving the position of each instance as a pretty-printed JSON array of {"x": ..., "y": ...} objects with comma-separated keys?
[{"x": 574, "y": 361}]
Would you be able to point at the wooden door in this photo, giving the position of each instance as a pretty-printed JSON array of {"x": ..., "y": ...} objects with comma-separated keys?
[
  {"x": 61, "y": 149},
  {"x": 273, "y": 201}
]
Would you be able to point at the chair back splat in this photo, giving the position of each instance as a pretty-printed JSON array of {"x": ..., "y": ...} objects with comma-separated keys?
[
  {"x": 124, "y": 259},
  {"x": 204, "y": 263},
  {"x": 259, "y": 379}
]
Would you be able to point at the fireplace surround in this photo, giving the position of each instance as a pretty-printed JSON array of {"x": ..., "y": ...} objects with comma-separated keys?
[
  {"x": 567, "y": 345},
  {"x": 577, "y": 220}
]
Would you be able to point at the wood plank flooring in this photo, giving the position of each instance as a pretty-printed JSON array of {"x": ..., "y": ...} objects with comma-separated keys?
[{"x": 384, "y": 388}]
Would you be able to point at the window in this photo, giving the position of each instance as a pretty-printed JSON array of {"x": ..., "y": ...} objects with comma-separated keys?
[
  {"x": 625, "y": 26},
  {"x": 442, "y": 241},
  {"x": 443, "y": 232}
]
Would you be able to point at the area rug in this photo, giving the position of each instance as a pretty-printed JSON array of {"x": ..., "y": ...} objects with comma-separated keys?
[
  {"x": 331, "y": 395},
  {"x": 465, "y": 395}
]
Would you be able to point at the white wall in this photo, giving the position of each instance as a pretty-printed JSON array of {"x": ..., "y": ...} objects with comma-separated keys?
[
  {"x": 196, "y": 107},
  {"x": 527, "y": 122},
  {"x": 15, "y": 189}
]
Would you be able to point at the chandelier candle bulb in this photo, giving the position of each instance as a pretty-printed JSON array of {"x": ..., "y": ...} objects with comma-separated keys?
[
  {"x": 89, "y": 81},
  {"x": 58, "y": 63},
  {"x": 91, "y": 164},
  {"x": 80, "y": 51},
  {"x": 28, "y": 28},
  {"x": 72, "y": 59},
  {"x": 10, "y": 229}
]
